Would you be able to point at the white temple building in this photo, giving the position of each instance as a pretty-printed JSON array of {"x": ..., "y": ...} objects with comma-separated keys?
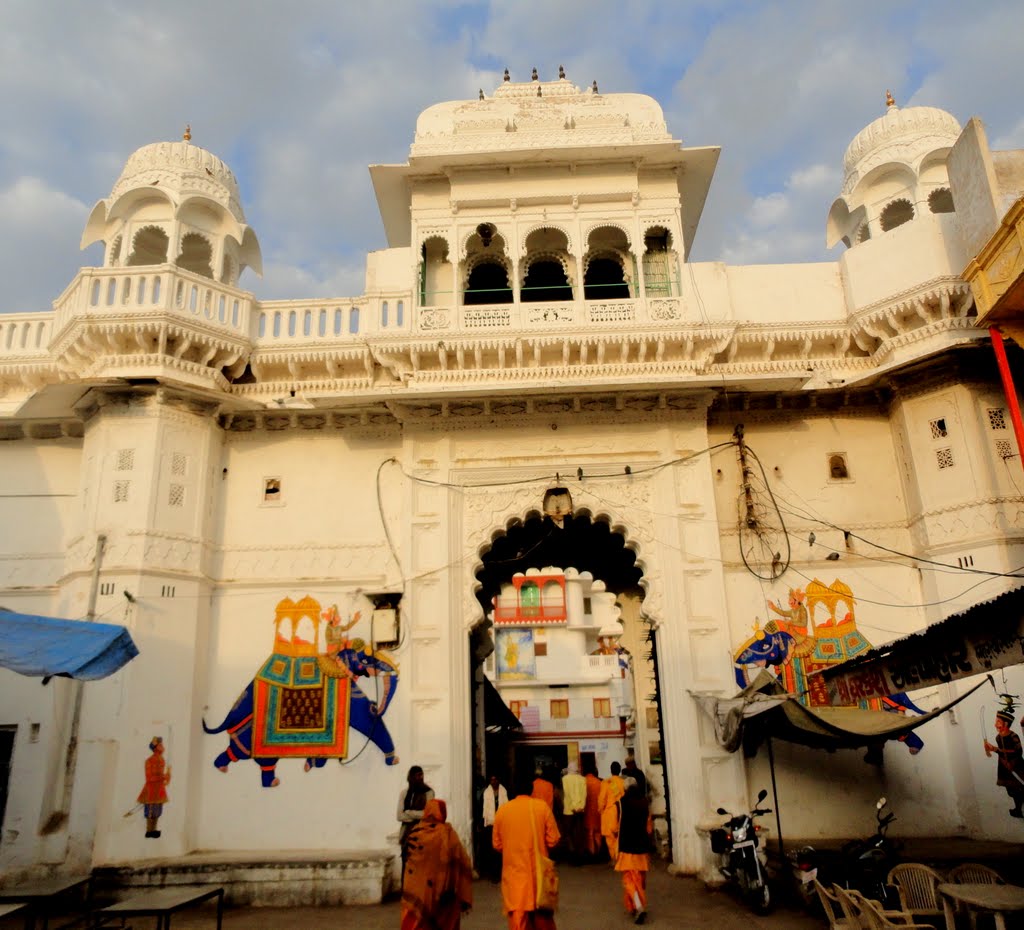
[{"x": 216, "y": 472}]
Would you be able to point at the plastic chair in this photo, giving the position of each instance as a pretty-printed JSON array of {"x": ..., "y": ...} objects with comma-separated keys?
[
  {"x": 974, "y": 873},
  {"x": 832, "y": 907},
  {"x": 873, "y": 917},
  {"x": 917, "y": 885}
]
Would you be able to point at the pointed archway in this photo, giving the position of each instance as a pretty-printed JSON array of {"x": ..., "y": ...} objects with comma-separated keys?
[{"x": 592, "y": 546}]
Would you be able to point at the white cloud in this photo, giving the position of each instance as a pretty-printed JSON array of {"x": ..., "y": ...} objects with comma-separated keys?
[{"x": 299, "y": 99}]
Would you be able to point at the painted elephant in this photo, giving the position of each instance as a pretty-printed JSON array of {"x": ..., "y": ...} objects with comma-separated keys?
[
  {"x": 769, "y": 649},
  {"x": 364, "y": 715}
]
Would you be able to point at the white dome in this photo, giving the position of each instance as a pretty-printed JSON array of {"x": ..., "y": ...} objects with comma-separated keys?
[
  {"x": 181, "y": 168},
  {"x": 901, "y": 135}
]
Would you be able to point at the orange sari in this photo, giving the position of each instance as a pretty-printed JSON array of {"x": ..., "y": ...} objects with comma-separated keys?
[{"x": 438, "y": 885}]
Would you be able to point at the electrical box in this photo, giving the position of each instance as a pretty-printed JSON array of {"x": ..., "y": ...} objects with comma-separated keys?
[{"x": 385, "y": 625}]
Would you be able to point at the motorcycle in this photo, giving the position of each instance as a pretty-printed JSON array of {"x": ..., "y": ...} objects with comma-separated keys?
[
  {"x": 737, "y": 841},
  {"x": 860, "y": 864}
]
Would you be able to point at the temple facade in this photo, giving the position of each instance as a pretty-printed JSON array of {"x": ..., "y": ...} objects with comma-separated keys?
[{"x": 301, "y": 509}]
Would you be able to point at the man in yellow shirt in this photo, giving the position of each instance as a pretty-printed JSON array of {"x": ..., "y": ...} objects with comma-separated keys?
[{"x": 574, "y": 801}]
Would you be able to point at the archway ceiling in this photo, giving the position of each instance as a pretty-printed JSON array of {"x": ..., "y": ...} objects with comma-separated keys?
[{"x": 582, "y": 543}]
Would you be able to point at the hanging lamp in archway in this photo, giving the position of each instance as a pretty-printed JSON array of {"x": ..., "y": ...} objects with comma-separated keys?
[{"x": 557, "y": 504}]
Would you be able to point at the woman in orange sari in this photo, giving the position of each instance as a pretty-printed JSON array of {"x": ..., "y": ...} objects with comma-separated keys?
[{"x": 438, "y": 886}]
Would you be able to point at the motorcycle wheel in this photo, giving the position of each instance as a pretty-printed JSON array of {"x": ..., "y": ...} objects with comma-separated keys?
[{"x": 761, "y": 899}]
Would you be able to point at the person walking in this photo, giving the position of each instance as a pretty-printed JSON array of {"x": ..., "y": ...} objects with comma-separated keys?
[
  {"x": 574, "y": 801},
  {"x": 634, "y": 859},
  {"x": 437, "y": 887},
  {"x": 523, "y": 827},
  {"x": 412, "y": 801},
  {"x": 632, "y": 770},
  {"x": 1010, "y": 767},
  {"x": 495, "y": 796},
  {"x": 592, "y": 812},
  {"x": 543, "y": 790},
  {"x": 612, "y": 789}
]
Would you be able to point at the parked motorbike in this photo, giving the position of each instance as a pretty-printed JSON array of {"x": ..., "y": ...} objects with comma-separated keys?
[
  {"x": 861, "y": 864},
  {"x": 737, "y": 841}
]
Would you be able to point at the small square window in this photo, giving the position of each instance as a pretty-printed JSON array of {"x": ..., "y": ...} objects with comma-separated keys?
[
  {"x": 540, "y": 649},
  {"x": 121, "y": 491},
  {"x": 944, "y": 458},
  {"x": 1004, "y": 448},
  {"x": 938, "y": 428},
  {"x": 178, "y": 463},
  {"x": 176, "y": 495},
  {"x": 560, "y": 709},
  {"x": 125, "y": 460},
  {"x": 996, "y": 418}
]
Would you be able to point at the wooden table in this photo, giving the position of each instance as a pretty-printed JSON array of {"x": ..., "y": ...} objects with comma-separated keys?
[
  {"x": 162, "y": 903},
  {"x": 37, "y": 896},
  {"x": 991, "y": 899}
]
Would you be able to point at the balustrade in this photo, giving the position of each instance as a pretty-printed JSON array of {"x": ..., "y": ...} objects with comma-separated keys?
[{"x": 25, "y": 334}]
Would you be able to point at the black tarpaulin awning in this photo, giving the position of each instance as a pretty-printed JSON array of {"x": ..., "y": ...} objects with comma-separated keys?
[
  {"x": 497, "y": 715},
  {"x": 764, "y": 709},
  {"x": 45, "y": 646}
]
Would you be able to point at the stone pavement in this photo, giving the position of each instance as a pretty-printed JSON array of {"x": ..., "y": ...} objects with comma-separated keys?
[{"x": 591, "y": 899}]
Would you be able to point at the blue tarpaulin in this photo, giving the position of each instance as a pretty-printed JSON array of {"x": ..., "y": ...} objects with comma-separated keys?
[{"x": 45, "y": 646}]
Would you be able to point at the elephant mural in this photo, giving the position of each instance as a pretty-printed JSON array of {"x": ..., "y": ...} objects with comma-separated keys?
[{"x": 303, "y": 700}]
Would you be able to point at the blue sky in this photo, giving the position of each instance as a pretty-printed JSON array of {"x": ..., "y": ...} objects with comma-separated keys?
[{"x": 300, "y": 98}]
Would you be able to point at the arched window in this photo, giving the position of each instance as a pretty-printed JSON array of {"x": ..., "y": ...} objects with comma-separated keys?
[
  {"x": 529, "y": 599},
  {"x": 337, "y": 322},
  {"x": 604, "y": 280},
  {"x": 657, "y": 267},
  {"x": 940, "y": 200},
  {"x": 291, "y": 322},
  {"x": 896, "y": 214},
  {"x": 322, "y": 328},
  {"x": 277, "y": 324},
  {"x": 487, "y": 284},
  {"x": 353, "y": 320},
  {"x": 149, "y": 247},
  {"x": 384, "y": 313},
  {"x": 263, "y": 324},
  {"x": 400, "y": 313},
  {"x": 545, "y": 281},
  {"x": 196, "y": 255},
  {"x": 435, "y": 273}
]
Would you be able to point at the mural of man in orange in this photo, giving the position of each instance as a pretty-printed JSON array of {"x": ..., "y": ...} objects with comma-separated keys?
[{"x": 153, "y": 795}]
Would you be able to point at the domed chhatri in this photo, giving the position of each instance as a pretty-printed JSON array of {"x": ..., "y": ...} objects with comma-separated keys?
[
  {"x": 893, "y": 170},
  {"x": 176, "y": 202}
]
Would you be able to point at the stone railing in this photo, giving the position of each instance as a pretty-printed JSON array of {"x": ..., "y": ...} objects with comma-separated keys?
[
  {"x": 557, "y": 315},
  {"x": 25, "y": 335},
  {"x": 153, "y": 289}
]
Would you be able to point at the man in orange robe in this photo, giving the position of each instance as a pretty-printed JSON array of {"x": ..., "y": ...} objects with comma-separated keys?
[
  {"x": 516, "y": 825},
  {"x": 592, "y": 812},
  {"x": 612, "y": 788},
  {"x": 543, "y": 790}
]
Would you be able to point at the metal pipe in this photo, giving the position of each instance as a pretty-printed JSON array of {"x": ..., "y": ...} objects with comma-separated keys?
[{"x": 1008, "y": 389}]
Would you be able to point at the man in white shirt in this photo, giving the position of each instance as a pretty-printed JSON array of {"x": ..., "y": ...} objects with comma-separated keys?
[
  {"x": 574, "y": 799},
  {"x": 494, "y": 797}
]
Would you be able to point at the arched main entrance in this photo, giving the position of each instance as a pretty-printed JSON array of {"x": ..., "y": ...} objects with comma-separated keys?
[{"x": 527, "y": 574}]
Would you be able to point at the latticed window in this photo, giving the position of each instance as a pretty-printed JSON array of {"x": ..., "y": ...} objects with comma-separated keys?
[
  {"x": 560, "y": 709},
  {"x": 125, "y": 460},
  {"x": 938, "y": 428},
  {"x": 1004, "y": 448},
  {"x": 996, "y": 418},
  {"x": 178, "y": 462},
  {"x": 944, "y": 458},
  {"x": 176, "y": 495},
  {"x": 602, "y": 707},
  {"x": 121, "y": 491}
]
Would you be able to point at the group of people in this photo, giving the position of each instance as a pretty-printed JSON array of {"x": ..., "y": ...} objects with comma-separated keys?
[{"x": 595, "y": 815}]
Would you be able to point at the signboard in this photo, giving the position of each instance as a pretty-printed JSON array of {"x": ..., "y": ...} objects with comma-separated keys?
[{"x": 985, "y": 637}]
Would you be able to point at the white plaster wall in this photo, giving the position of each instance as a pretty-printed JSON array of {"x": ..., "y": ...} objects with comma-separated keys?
[
  {"x": 929, "y": 246},
  {"x": 786, "y": 293}
]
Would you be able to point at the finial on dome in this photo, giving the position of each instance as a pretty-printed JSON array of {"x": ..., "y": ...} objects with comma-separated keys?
[
  {"x": 593, "y": 87},
  {"x": 481, "y": 93},
  {"x": 890, "y": 101},
  {"x": 506, "y": 78},
  {"x": 187, "y": 136},
  {"x": 561, "y": 73},
  {"x": 533, "y": 75}
]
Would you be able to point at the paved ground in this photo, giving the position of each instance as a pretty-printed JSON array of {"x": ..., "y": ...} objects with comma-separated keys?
[{"x": 591, "y": 900}]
